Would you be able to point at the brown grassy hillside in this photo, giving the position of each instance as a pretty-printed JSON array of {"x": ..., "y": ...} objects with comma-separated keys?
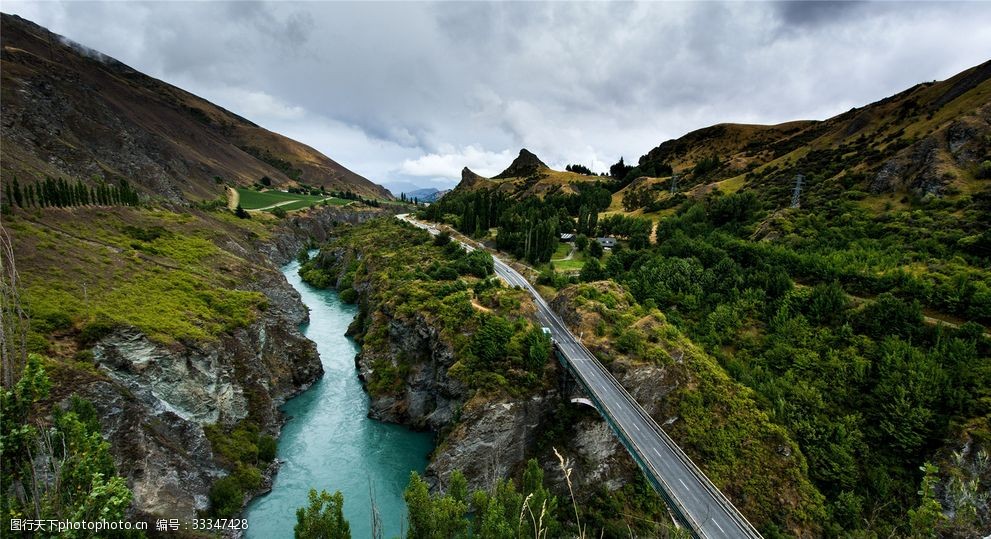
[
  {"x": 928, "y": 140},
  {"x": 72, "y": 112}
]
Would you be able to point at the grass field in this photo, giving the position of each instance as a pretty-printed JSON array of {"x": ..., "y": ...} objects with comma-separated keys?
[
  {"x": 568, "y": 265},
  {"x": 254, "y": 200},
  {"x": 574, "y": 264}
]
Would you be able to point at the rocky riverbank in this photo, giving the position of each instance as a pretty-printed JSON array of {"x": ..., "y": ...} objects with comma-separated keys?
[
  {"x": 157, "y": 400},
  {"x": 487, "y": 434}
]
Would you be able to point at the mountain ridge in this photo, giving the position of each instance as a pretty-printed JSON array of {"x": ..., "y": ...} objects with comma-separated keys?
[
  {"x": 929, "y": 139},
  {"x": 74, "y": 112}
]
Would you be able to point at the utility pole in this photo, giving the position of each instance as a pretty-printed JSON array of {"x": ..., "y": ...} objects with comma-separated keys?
[{"x": 797, "y": 193}]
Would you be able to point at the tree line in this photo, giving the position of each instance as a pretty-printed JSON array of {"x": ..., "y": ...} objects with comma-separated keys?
[
  {"x": 62, "y": 194},
  {"x": 529, "y": 229},
  {"x": 507, "y": 510}
]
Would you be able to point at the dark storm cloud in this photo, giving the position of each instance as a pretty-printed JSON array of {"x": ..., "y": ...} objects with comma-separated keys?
[
  {"x": 415, "y": 91},
  {"x": 813, "y": 13}
]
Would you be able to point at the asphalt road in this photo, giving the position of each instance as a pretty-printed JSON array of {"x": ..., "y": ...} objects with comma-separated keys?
[{"x": 698, "y": 503}]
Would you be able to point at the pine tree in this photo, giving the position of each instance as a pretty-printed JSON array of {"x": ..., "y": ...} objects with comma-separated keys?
[
  {"x": 83, "y": 193},
  {"x": 49, "y": 195},
  {"x": 42, "y": 189},
  {"x": 9, "y": 193},
  {"x": 18, "y": 197},
  {"x": 64, "y": 193}
]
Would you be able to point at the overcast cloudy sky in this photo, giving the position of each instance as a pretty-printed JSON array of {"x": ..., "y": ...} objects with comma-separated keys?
[{"x": 409, "y": 93}]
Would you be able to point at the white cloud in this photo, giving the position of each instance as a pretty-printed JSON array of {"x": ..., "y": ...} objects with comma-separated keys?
[
  {"x": 413, "y": 92},
  {"x": 253, "y": 104},
  {"x": 449, "y": 164}
]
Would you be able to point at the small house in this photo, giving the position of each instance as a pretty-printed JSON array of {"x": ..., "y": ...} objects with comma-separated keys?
[
  {"x": 607, "y": 242},
  {"x": 567, "y": 238}
]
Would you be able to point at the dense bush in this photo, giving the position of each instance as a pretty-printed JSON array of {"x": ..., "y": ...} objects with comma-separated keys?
[
  {"x": 496, "y": 347},
  {"x": 63, "y": 471},
  {"x": 826, "y": 324}
]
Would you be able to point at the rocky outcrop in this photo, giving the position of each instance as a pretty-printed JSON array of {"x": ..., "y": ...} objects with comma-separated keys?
[
  {"x": 302, "y": 229},
  {"x": 155, "y": 398},
  {"x": 491, "y": 440},
  {"x": 526, "y": 164},
  {"x": 918, "y": 168},
  {"x": 430, "y": 399},
  {"x": 932, "y": 165},
  {"x": 964, "y": 483},
  {"x": 470, "y": 180}
]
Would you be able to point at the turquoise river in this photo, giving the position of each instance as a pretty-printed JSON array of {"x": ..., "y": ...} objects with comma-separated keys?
[{"x": 330, "y": 443}]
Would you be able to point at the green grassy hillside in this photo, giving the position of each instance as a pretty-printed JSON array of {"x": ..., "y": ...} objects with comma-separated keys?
[
  {"x": 858, "y": 319},
  {"x": 87, "y": 270}
]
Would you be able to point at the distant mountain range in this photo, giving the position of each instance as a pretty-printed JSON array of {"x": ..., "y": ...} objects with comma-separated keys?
[
  {"x": 428, "y": 194},
  {"x": 72, "y": 112}
]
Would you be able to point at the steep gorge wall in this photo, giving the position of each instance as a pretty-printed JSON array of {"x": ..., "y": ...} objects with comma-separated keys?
[
  {"x": 156, "y": 399},
  {"x": 486, "y": 436},
  {"x": 301, "y": 229}
]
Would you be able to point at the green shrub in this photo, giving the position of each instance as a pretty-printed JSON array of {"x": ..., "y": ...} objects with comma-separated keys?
[
  {"x": 267, "y": 446},
  {"x": 226, "y": 497},
  {"x": 96, "y": 329},
  {"x": 349, "y": 295}
]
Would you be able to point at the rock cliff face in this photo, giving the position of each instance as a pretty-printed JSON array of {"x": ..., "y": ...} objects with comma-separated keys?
[
  {"x": 305, "y": 228},
  {"x": 156, "y": 398},
  {"x": 487, "y": 437},
  {"x": 430, "y": 398}
]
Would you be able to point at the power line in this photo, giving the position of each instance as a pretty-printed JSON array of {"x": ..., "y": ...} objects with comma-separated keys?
[{"x": 797, "y": 193}]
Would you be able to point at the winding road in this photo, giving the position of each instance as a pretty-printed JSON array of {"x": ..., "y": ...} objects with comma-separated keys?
[{"x": 694, "y": 499}]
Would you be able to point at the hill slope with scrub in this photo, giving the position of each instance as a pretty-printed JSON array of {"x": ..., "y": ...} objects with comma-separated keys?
[
  {"x": 857, "y": 311},
  {"x": 72, "y": 112}
]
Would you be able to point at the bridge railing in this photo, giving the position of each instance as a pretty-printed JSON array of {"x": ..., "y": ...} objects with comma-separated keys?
[
  {"x": 717, "y": 494},
  {"x": 663, "y": 488}
]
